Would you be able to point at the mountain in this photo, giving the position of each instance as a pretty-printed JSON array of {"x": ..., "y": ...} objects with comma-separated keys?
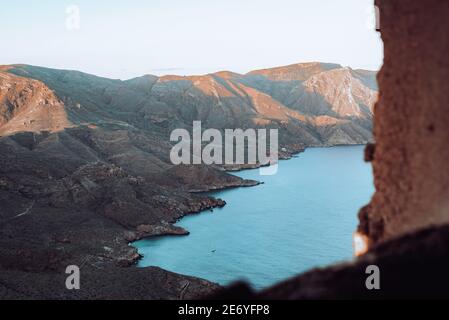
[
  {"x": 321, "y": 104},
  {"x": 86, "y": 169}
]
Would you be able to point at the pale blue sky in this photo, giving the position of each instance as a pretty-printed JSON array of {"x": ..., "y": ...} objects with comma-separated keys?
[{"x": 124, "y": 39}]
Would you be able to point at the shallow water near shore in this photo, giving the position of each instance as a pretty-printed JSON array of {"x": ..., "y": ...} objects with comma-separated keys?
[{"x": 302, "y": 217}]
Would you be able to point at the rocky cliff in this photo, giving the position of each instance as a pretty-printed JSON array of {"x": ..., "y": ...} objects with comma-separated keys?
[{"x": 410, "y": 157}]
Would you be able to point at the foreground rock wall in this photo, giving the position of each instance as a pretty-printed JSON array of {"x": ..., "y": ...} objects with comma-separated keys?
[
  {"x": 411, "y": 122},
  {"x": 410, "y": 161}
]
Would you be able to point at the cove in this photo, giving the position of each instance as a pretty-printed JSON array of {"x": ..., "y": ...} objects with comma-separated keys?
[{"x": 302, "y": 217}]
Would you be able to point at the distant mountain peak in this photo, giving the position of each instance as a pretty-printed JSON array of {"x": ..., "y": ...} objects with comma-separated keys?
[
  {"x": 295, "y": 72},
  {"x": 227, "y": 74}
]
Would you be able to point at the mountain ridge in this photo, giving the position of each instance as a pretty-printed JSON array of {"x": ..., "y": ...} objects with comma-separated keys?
[{"x": 255, "y": 97}]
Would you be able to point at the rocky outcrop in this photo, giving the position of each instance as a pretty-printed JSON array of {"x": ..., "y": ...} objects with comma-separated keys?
[
  {"x": 410, "y": 158},
  {"x": 28, "y": 105}
]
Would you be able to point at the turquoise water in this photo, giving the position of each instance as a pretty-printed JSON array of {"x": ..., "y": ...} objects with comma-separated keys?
[{"x": 302, "y": 217}]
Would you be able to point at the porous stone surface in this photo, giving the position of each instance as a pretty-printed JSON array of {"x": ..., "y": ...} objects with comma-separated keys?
[{"x": 411, "y": 122}]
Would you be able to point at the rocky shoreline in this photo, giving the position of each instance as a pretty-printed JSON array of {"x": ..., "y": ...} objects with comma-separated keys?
[
  {"x": 62, "y": 225},
  {"x": 145, "y": 232},
  {"x": 75, "y": 230},
  {"x": 169, "y": 229}
]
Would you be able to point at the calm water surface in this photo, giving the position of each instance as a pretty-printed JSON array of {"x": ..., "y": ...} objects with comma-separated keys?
[{"x": 302, "y": 217}]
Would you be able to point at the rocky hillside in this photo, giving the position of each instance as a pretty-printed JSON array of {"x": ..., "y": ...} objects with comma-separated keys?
[
  {"x": 313, "y": 104},
  {"x": 85, "y": 163}
]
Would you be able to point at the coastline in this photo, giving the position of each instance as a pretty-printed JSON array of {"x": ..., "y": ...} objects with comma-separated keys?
[
  {"x": 165, "y": 252},
  {"x": 173, "y": 230}
]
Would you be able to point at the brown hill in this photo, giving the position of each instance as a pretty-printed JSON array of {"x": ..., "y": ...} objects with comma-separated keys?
[{"x": 292, "y": 98}]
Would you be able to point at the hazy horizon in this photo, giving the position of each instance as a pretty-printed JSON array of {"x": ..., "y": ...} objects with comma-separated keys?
[
  {"x": 129, "y": 39},
  {"x": 181, "y": 75}
]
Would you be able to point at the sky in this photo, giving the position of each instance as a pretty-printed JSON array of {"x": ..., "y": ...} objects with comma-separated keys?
[{"x": 125, "y": 39}]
